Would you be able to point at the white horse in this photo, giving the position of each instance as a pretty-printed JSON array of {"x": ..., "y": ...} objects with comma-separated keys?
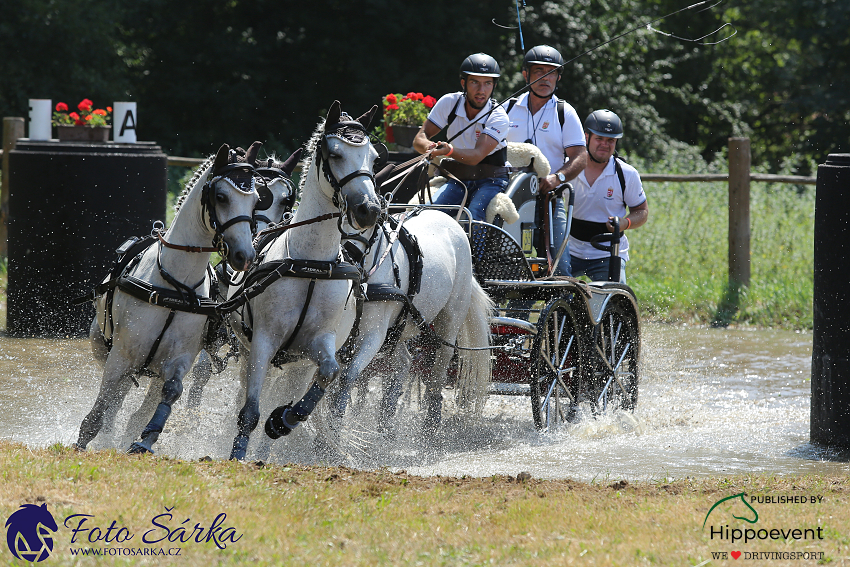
[
  {"x": 150, "y": 313},
  {"x": 449, "y": 308},
  {"x": 277, "y": 197},
  {"x": 304, "y": 303}
]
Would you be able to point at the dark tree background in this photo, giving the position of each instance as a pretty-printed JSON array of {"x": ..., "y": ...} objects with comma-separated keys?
[{"x": 206, "y": 72}]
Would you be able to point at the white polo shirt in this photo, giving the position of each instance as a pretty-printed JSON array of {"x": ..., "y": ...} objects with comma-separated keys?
[
  {"x": 495, "y": 125},
  {"x": 544, "y": 129},
  {"x": 605, "y": 199}
]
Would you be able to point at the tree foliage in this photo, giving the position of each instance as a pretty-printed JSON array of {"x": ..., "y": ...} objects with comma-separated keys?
[{"x": 207, "y": 71}]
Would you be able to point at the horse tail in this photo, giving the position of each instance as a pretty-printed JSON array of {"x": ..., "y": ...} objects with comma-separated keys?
[{"x": 474, "y": 377}]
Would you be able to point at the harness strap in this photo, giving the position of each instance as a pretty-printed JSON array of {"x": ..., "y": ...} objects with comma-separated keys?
[
  {"x": 164, "y": 297},
  {"x": 156, "y": 343},
  {"x": 391, "y": 238},
  {"x": 186, "y": 248},
  {"x": 301, "y": 317},
  {"x": 270, "y": 272}
]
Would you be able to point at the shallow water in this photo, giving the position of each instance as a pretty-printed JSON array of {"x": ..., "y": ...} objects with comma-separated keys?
[{"x": 712, "y": 402}]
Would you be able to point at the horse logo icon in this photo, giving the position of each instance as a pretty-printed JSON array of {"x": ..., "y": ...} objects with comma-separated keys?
[
  {"x": 742, "y": 496},
  {"x": 29, "y": 533}
]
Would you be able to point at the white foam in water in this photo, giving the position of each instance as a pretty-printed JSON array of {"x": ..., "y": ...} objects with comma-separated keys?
[{"x": 711, "y": 402}]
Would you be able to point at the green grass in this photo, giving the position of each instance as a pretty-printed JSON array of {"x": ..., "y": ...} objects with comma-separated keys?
[
  {"x": 679, "y": 259},
  {"x": 299, "y": 515}
]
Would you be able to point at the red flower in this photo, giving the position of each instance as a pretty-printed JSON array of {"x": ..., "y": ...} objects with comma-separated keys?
[
  {"x": 419, "y": 96},
  {"x": 61, "y": 107},
  {"x": 108, "y": 109},
  {"x": 99, "y": 112},
  {"x": 429, "y": 101},
  {"x": 391, "y": 98},
  {"x": 85, "y": 105},
  {"x": 392, "y": 107}
]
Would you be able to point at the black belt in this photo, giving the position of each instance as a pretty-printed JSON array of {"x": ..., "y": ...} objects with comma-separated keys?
[
  {"x": 585, "y": 230},
  {"x": 169, "y": 298},
  {"x": 474, "y": 172}
]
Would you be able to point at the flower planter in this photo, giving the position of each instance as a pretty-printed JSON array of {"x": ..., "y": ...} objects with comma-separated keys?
[
  {"x": 404, "y": 134},
  {"x": 83, "y": 133}
]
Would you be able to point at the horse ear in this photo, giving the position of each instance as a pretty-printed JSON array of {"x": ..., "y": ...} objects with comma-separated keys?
[
  {"x": 333, "y": 115},
  {"x": 251, "y": 154},
  {"x": 367, "y": 117},
  {"x": 222, "y": 158},
  {"x": 291, "y": 162}
]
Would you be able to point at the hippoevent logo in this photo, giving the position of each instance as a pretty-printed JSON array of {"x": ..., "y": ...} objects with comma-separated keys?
[
  {"x": 740, "y": 507},
  {"x": 28, "y": 533}
]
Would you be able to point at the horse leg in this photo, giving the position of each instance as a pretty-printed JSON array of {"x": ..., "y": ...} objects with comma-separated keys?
[
  {"x": 434, "y": 382},
  {"x": 253, "y": 375},
  {"x": 116, "y": 371},
  {"x": 146, "y": 411},
  {"x": 111, "y": 412},
  {"x": 172, "y": 388},
  {"x": 401, "y": 361},
  {"x": 322, "y": 351},
  {"x": 366, "y": 347},
  {"x": 201, "y": 374}
]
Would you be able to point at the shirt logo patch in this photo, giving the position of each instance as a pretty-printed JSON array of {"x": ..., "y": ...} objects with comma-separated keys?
[
  {"x": 610, "y": 192},
  {"x": 545, "y": 126}
]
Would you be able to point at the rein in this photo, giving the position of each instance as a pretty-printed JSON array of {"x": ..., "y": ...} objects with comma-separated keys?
[
  {"x": 182, "y": 247},
  {"x": 285, "y": 227}
]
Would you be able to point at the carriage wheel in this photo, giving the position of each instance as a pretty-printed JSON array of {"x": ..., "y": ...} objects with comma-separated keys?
[
  {"x": 615, "y": 352},
  {"x": 555, "y": 355}
]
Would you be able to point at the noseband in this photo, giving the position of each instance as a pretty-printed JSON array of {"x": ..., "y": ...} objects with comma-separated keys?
[{"x": 235, "y": 174}]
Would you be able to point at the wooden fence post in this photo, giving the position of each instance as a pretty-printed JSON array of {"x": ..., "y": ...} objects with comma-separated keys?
[
  {"x": 13, "y": 128},
  {"x": 739, "y": 212}
]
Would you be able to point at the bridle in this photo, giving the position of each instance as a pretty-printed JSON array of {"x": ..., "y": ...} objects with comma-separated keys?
[
  {"x": 338, "y": 131},
  {"x": 230, "y": 173},
  {"x": 267, "y": 176}
]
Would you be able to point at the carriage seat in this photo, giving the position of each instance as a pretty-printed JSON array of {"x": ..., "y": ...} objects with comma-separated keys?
[{"x": 496, "y": 255}]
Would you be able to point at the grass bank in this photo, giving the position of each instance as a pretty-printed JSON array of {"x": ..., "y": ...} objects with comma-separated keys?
[
  {"x": 295, "y": 515},
  {"x": 679, "y": 259}
]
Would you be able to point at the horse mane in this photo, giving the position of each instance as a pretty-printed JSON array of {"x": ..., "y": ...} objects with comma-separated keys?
[
  {"x": 199, "y": 172},
  {"x": 310, "y": 153}
]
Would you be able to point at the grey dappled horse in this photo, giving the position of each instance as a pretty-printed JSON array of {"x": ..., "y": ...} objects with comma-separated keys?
[
  {"x": 163, "y": 333},
  {"x": 277, "y": 198},
  {"x": 303, "y": 311},
  {"x": 450, "y": 307}
]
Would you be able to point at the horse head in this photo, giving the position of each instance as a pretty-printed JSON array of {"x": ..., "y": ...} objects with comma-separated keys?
[
  {"x": 347, "y": 159},
  {"x": 276, "y": 190},
  {"x": 229, "y": 198}
]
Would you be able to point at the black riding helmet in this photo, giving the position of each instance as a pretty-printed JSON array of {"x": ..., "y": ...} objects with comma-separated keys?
[
  {"x": 604, "y": 123},
  {"x": 543, "y": 55},
  {"x": 480, "y": 64}
]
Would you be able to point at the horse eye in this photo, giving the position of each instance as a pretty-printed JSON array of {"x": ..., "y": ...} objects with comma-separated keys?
[{"x": 221, "y": 198}]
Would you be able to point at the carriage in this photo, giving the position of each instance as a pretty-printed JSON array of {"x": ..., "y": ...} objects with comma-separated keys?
[
  {"x": 578, "y": 342},
  {"x": 567, "y": 344}
]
